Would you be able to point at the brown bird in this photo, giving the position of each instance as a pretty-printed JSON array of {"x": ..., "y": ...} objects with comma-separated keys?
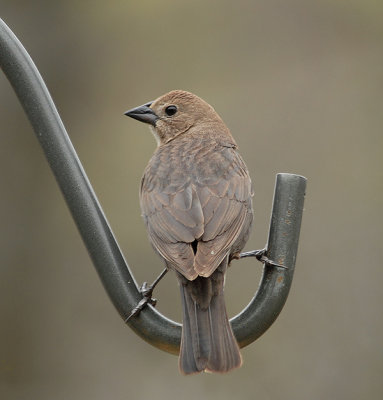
[{"x": 196, "y": 202}]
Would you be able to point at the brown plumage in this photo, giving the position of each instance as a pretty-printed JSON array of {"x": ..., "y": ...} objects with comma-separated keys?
[{"x": 196, "y": 202}]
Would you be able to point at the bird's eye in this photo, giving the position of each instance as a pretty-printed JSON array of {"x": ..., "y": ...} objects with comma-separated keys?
[{"x": 170, "y": 110}]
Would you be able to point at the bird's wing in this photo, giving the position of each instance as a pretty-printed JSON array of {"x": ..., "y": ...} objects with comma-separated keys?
[
  {"x": 226, "y": 205},
  {"x": 210, "y": 206},
  {"x": 174, "y": 221}
]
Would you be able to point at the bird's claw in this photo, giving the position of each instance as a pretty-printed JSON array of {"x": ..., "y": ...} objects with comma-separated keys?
[
  {"x": 260, "y": 255},
  {"x": 146, "y": 290}
]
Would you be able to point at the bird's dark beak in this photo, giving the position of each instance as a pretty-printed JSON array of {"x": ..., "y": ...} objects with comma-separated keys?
[{"x": 144, "y": 114}]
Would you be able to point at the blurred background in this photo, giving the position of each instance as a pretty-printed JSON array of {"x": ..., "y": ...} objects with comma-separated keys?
[{"x": 300, "y": 84}]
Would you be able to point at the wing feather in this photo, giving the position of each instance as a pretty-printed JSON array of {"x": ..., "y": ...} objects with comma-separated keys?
[{"x": 209, "y": 208}]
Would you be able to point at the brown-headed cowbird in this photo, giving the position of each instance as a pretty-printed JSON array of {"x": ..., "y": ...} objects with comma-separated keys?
[{"x": 196, "y": 202}]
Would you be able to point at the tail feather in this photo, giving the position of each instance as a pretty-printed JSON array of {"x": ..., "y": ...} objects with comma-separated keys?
[
  {"x": 224, "y": 354},
  {"x": 208, "y": 342},
  {"x": 195, "y": 344}
]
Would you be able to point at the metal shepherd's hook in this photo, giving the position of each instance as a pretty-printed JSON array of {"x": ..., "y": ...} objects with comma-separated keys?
[{"x": 111, "y": 266}]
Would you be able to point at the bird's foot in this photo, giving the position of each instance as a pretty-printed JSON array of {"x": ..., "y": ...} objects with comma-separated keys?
[
  {"x": 260, "y": 255},
  {"x": 146, "y": 290}
]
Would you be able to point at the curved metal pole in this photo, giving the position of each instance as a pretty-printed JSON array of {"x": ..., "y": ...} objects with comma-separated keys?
[
  {"x": 282, "y": 247},
  {"x": 98, "y": 237}
]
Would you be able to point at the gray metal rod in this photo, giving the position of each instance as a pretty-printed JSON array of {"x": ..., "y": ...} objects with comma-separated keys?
[
  {"x": 70, "y": 175},
  {"x": 282, "y": 248},
  {"x": 110, "y": 264}
]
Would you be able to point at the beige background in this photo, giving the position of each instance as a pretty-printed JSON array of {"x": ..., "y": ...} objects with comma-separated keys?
[{"x": 300, "y": 84}]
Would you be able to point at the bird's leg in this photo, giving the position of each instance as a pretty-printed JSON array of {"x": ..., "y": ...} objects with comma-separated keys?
[
  {"x": 260, "y": 255},
  {"x": 146, "y": 291}
]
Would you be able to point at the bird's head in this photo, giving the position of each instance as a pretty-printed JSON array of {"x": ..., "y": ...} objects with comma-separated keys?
[{"x": 175, "y": 113}]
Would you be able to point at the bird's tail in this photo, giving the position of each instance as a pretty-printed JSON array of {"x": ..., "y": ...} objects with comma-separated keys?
[{"x": 208, "y": 342}]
